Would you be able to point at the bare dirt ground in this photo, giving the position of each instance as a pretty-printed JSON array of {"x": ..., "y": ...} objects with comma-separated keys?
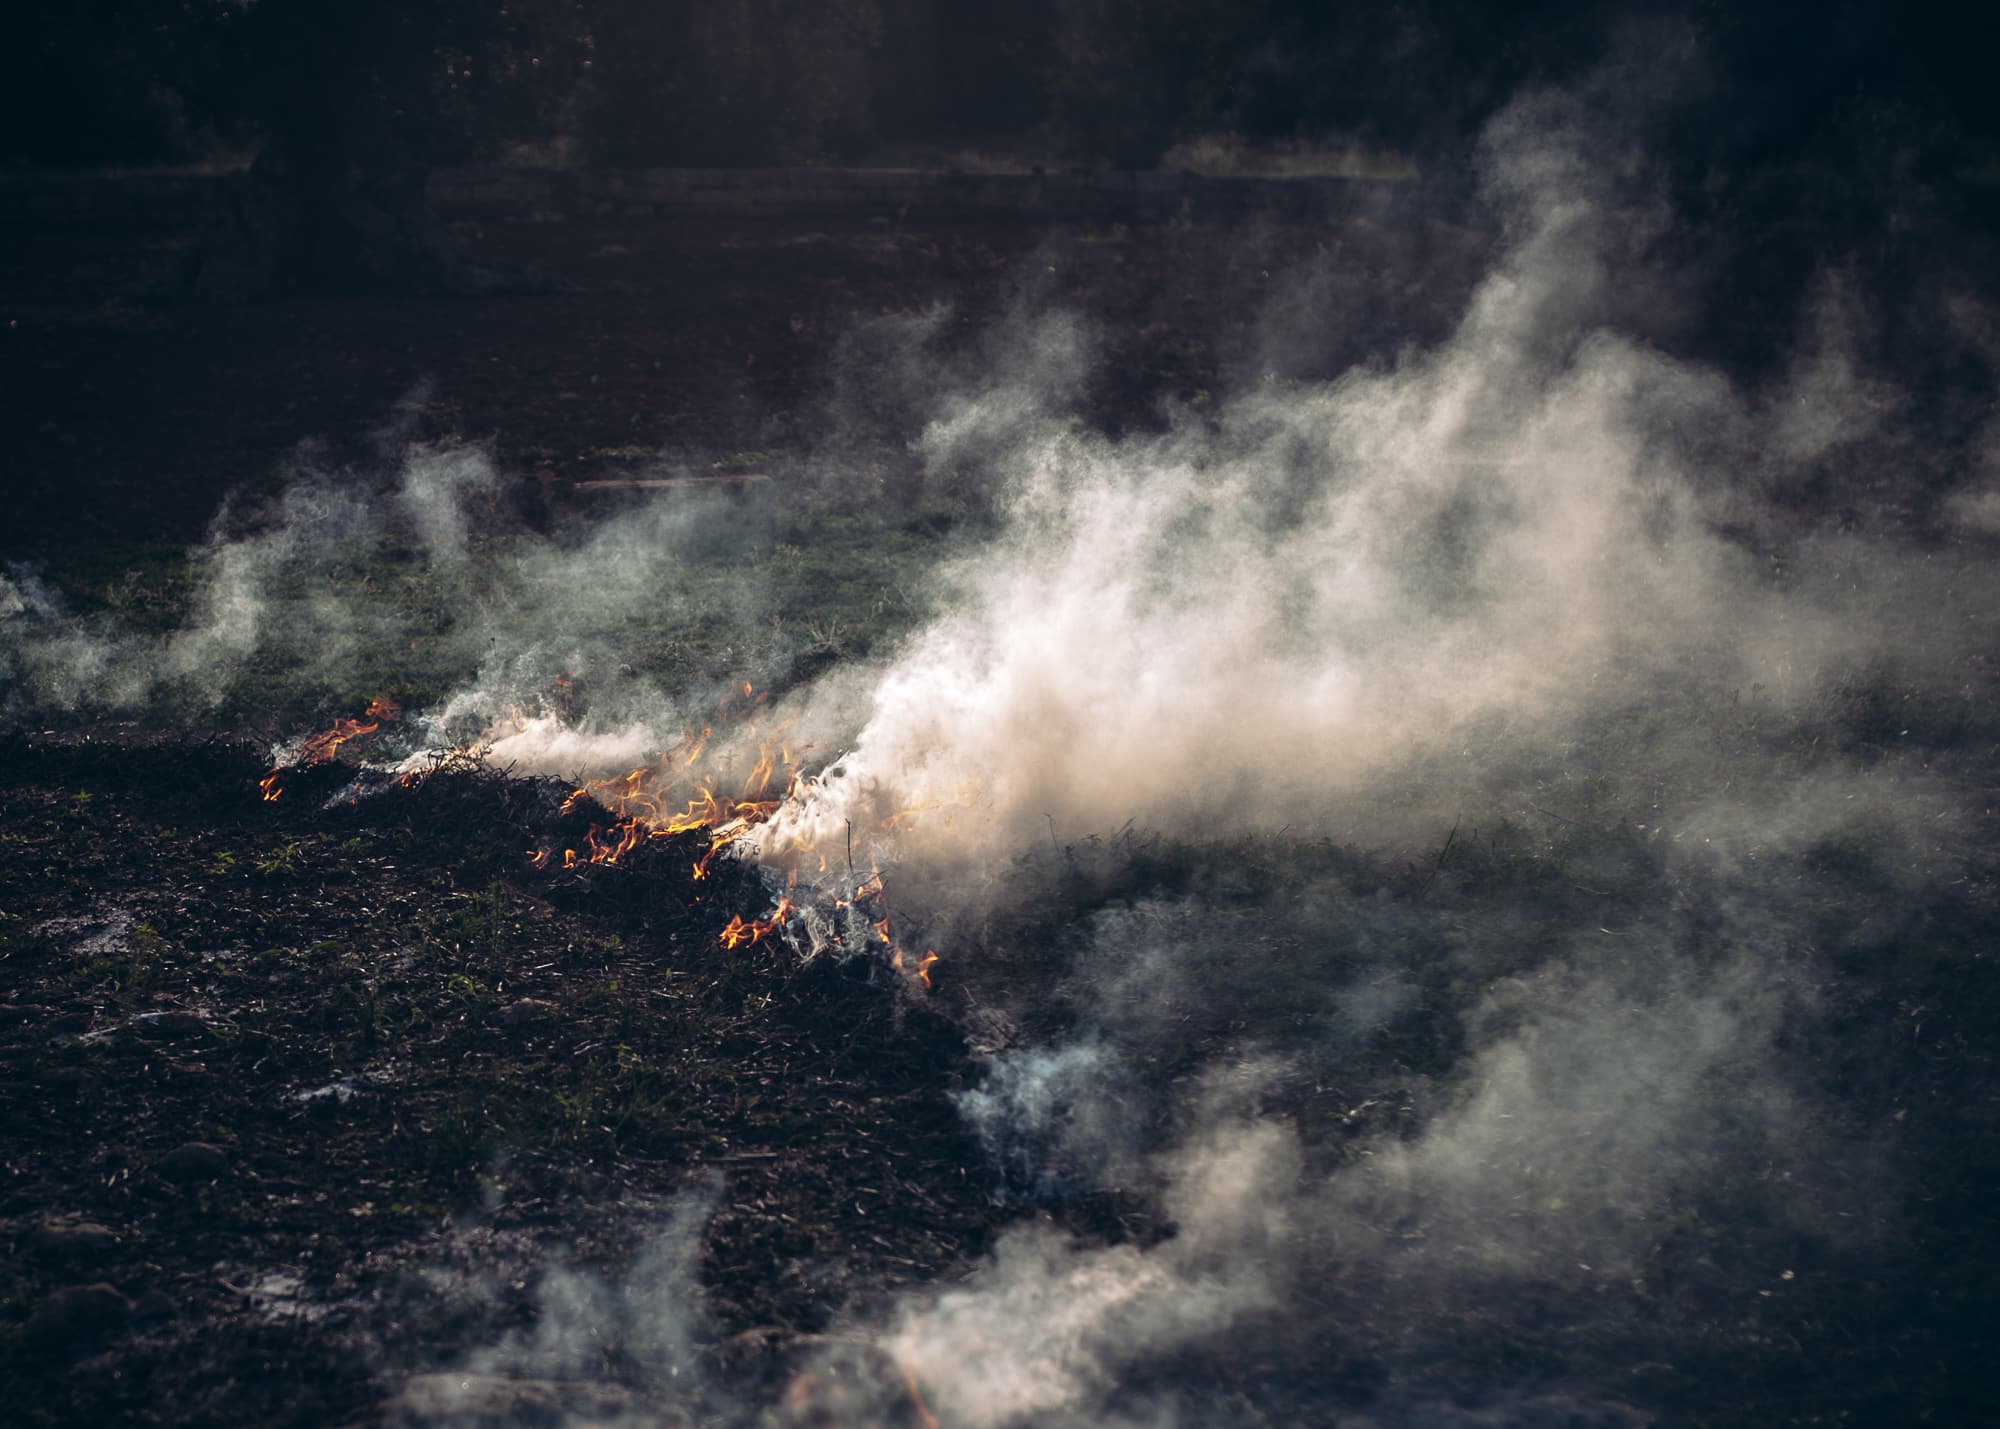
[
  {"x": 712, "y": 337},
  {"x": 261, "y": 1072}
]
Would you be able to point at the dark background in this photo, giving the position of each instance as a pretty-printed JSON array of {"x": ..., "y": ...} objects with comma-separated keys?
[
  {"x": 170, "y": 360},
  {"x": 1870, "y": 86},
  {"x": 155, "y": 365}
]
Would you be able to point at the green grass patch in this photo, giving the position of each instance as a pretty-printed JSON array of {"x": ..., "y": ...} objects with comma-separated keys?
[{"x": 284, "y": 638}]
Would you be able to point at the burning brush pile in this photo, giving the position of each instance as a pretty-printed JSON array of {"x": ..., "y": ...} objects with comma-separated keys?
[{"x": 680, "y": 801}]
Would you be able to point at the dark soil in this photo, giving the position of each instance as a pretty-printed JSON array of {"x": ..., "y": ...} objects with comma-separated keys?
[
  {"x": 269, "y": 1067},
  {"x": 718, "y": 340}
]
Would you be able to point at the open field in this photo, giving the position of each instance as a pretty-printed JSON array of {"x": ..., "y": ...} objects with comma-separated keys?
[{"x": 1454, "y": 809}]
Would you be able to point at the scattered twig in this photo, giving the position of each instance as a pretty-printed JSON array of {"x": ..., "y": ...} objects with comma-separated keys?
[
  {"x": 1552, "y": 814},
  {"x": 654, "y": 483},
  {"x": 1448, "y": 840}
]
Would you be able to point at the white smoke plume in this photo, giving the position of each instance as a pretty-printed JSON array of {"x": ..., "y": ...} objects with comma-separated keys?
[
  {"x": 1511, "y": 568},
  {"x": 591, "y": 1340},
  {"x": 1616, "y": 1083},
  {"x": 1252, "y": 623}
]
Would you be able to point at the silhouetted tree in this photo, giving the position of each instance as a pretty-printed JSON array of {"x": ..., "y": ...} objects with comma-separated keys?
[
  {"x": 352, "y": 100},
  {"x": 95, "y": 82},
  {"x": 730, "y": 82}
]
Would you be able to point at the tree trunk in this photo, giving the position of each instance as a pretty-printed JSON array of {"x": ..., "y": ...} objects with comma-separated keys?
[{"x": 336, "y": 203}]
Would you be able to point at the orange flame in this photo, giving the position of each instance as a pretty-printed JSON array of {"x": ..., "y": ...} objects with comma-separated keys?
[
  {"x": 671, "y": 796},
  {"x": 675, "y": 794},
  {"x": 742, "y": 932},
  {"x": 323, "y": 746},
  {"x": 921, "y": 972}
]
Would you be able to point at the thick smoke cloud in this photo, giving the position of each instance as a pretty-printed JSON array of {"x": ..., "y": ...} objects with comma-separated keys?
[
  {"x": 1542, "y": 562},
  {"x": 1250, "y": 621},
  {"x": 1257, "y": 620}
]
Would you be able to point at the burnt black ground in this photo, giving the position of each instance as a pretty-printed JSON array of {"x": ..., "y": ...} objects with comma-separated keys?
[{"x": 395, "y": 1050}]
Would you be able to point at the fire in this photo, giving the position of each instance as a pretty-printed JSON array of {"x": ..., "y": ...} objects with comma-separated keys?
[
  {"x": 322, "y": 746},
  {"x": 742, "y": 933},
  {"x": 672, "y": 796},
  {"x": 921, "y": 970},
  {"x": 686, "y": 789},
  {"x": 675, "y": 794}
]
